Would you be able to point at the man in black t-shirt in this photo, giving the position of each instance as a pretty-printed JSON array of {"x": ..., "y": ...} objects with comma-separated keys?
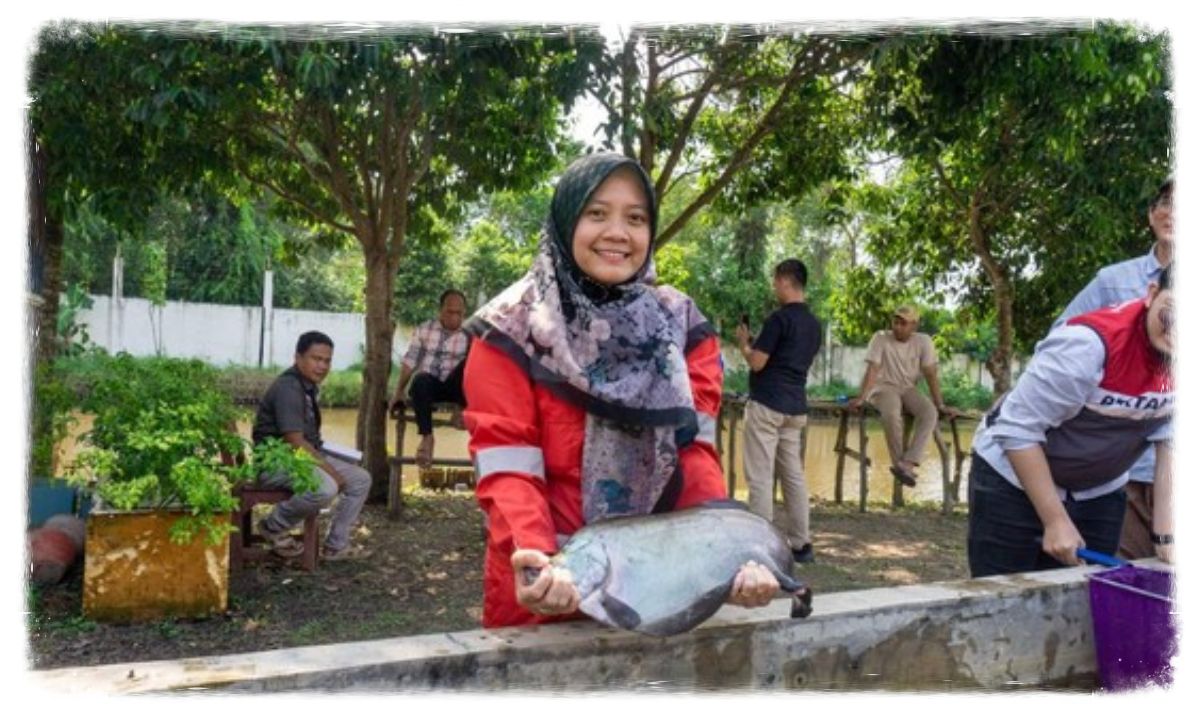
[{"x": 778, "y": 408}]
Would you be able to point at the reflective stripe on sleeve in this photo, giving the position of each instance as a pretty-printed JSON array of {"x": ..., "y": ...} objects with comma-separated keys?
[
  {"x": 707, "y": 428},
  {"x": 526, "y": 460}
]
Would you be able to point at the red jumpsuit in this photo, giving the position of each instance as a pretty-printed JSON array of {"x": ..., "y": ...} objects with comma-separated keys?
[{"x": 527, "y": 445}]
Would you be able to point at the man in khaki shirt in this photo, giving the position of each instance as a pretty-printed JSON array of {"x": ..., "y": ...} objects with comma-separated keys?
[{"x": 896, "y": 360}]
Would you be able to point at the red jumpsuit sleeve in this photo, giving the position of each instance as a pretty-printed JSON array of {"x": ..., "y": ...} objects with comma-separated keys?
[
  {"x": 502, "y": 418},
  {"x": 703, "y": 479}
]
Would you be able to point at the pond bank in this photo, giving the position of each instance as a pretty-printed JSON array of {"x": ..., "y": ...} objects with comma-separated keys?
[{"x": 424, "y": 576}]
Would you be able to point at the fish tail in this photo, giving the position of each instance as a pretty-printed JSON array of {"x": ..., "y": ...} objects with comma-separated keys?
[{"x": 801, "y": 602}]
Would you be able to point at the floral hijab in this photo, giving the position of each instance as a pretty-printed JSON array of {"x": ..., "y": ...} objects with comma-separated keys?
[{"x": 618, "y": 352}]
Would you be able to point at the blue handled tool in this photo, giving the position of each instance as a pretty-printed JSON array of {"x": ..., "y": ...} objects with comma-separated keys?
[
  {"x": 1094, "y": 557},
  {"x": 1089, "y": 555}
]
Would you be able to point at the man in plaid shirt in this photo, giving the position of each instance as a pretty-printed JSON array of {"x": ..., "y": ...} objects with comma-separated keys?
[{"x": 434, "y": 361}]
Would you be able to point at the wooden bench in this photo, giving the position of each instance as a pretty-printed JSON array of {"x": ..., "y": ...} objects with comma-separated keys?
[
  {"x": 395, "y": 499},
  {"x": 733, "y": 407},
  {"x": 951, "y": 481},
  {"x": 247, "y": 545}
]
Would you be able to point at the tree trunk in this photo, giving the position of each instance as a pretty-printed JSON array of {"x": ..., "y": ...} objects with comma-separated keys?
[
  {"x": 377, "y": 368},
  {"x": 999, "y": 364},
  {"x": 45, "y": 252}
]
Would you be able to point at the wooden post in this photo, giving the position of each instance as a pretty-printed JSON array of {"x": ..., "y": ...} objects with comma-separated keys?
[
  {"x": 959, "y": 456},
  {"x": 944, "y": 455},
  {"x": 864, "y": 463},
  {"x": 395, "y": 499},
  {"x": 905, "y": 439},
  {"x": 839, "y": 447}
]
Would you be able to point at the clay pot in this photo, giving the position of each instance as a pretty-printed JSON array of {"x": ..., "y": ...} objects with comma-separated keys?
[
  {"x": 74, "y": 527},
  {"x": 51, "y": 554}
]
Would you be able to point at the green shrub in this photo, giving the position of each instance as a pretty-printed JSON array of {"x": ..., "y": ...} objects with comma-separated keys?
[
  {"x": 832, "y": 391},
  {"x": 962, "y": 392},
  {"x": 52, "y": 403},
  {"x": 341, "y": 389},
  {"x": 737, "y": 381},
  {"x": 164, "y": 435}
]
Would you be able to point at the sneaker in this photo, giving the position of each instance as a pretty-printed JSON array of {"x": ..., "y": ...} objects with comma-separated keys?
[
  {"x": 803, "y": 555},
  {"x": 283, "y": 544}
]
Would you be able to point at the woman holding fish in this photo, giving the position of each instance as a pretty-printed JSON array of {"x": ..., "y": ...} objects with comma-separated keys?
[{"x": 592, "y": 394}]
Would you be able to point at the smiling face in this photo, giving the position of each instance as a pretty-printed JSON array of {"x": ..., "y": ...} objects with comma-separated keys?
[
  {"x": 612, "y": 236},
  {"x": 1160, "y": 319}
]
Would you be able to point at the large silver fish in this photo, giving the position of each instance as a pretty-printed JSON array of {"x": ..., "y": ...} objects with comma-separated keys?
[{"x": 664, "y": 574}]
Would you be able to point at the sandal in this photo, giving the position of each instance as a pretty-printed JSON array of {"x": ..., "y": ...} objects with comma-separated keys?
[
  {"x": 424, "y": 456},
  {"x": 907, "y": 479},
  {"x": 283, "y": 544}
]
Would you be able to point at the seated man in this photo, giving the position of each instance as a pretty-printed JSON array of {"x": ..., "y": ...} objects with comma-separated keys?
[
  {"x": 289, "y": 411},
  {"x": 895, "y": 361},
  {"x": 434, "y": 360}
]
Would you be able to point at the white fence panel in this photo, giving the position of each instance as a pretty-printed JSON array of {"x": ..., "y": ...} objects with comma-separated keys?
[
  {"x": 346, "y": 329},
  {"x": 223, "y": 334}
]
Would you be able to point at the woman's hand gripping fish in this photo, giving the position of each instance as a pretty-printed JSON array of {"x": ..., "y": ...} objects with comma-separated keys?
[{"x": 663, "y": 574}]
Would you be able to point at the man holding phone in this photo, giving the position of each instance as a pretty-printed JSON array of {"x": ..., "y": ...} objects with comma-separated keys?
[{"x": 778, "y": 407}]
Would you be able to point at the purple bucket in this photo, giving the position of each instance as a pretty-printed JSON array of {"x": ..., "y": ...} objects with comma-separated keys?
[{"x": 1133, "y": 628}]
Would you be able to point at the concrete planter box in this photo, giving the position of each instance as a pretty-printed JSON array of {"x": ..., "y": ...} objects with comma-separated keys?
[{"x": 134, "y": 572}]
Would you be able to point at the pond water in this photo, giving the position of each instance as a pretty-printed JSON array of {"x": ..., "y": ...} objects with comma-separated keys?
[{"x": 820, "y": 461}]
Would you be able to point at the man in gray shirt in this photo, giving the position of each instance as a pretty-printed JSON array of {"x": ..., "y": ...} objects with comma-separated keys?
[{"x": 289, "y": 411}]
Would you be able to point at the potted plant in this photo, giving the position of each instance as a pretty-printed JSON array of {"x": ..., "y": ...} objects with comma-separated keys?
[{"x": 158, "y": 464}]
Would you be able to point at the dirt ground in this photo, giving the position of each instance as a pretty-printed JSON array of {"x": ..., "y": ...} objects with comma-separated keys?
[{"x": 424, "y": 575}]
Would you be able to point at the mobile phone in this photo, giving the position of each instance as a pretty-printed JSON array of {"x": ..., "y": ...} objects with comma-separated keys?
[{"x": 745, "y": 319}]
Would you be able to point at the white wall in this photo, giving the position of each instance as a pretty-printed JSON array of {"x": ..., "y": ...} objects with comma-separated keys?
[
  {"x": 222, "y": 334},
  {"x": 849, "y": 363}
]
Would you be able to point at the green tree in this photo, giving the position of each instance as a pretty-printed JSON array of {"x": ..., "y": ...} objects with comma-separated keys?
[
  {"x": 86, "y": 154},
  {"x": 1027, "y": 163},
  {"x": 371, "y": 134},
  {"x": 424, "y": 274},
  {"x": 751, "y": 113}
]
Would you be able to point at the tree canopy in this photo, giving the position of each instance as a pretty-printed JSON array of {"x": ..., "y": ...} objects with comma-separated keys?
[
  {"x": 989, "y": 172},
  {"x": 1026, "y": 163}
]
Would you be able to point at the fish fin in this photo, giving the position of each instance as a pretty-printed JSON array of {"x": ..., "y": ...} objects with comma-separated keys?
[
  {"x": 802, "y": 603},
  {"x": 623, "y": 615},
  {"x": 801, "y": 594},
  {"x": 787, "y": 583},
  {"x": 724, "y": 504}
]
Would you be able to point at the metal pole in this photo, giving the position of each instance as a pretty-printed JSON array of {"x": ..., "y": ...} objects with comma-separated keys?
[
  {"x": 268, "y": 304},
  {"x": 116, "y": 303}
]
